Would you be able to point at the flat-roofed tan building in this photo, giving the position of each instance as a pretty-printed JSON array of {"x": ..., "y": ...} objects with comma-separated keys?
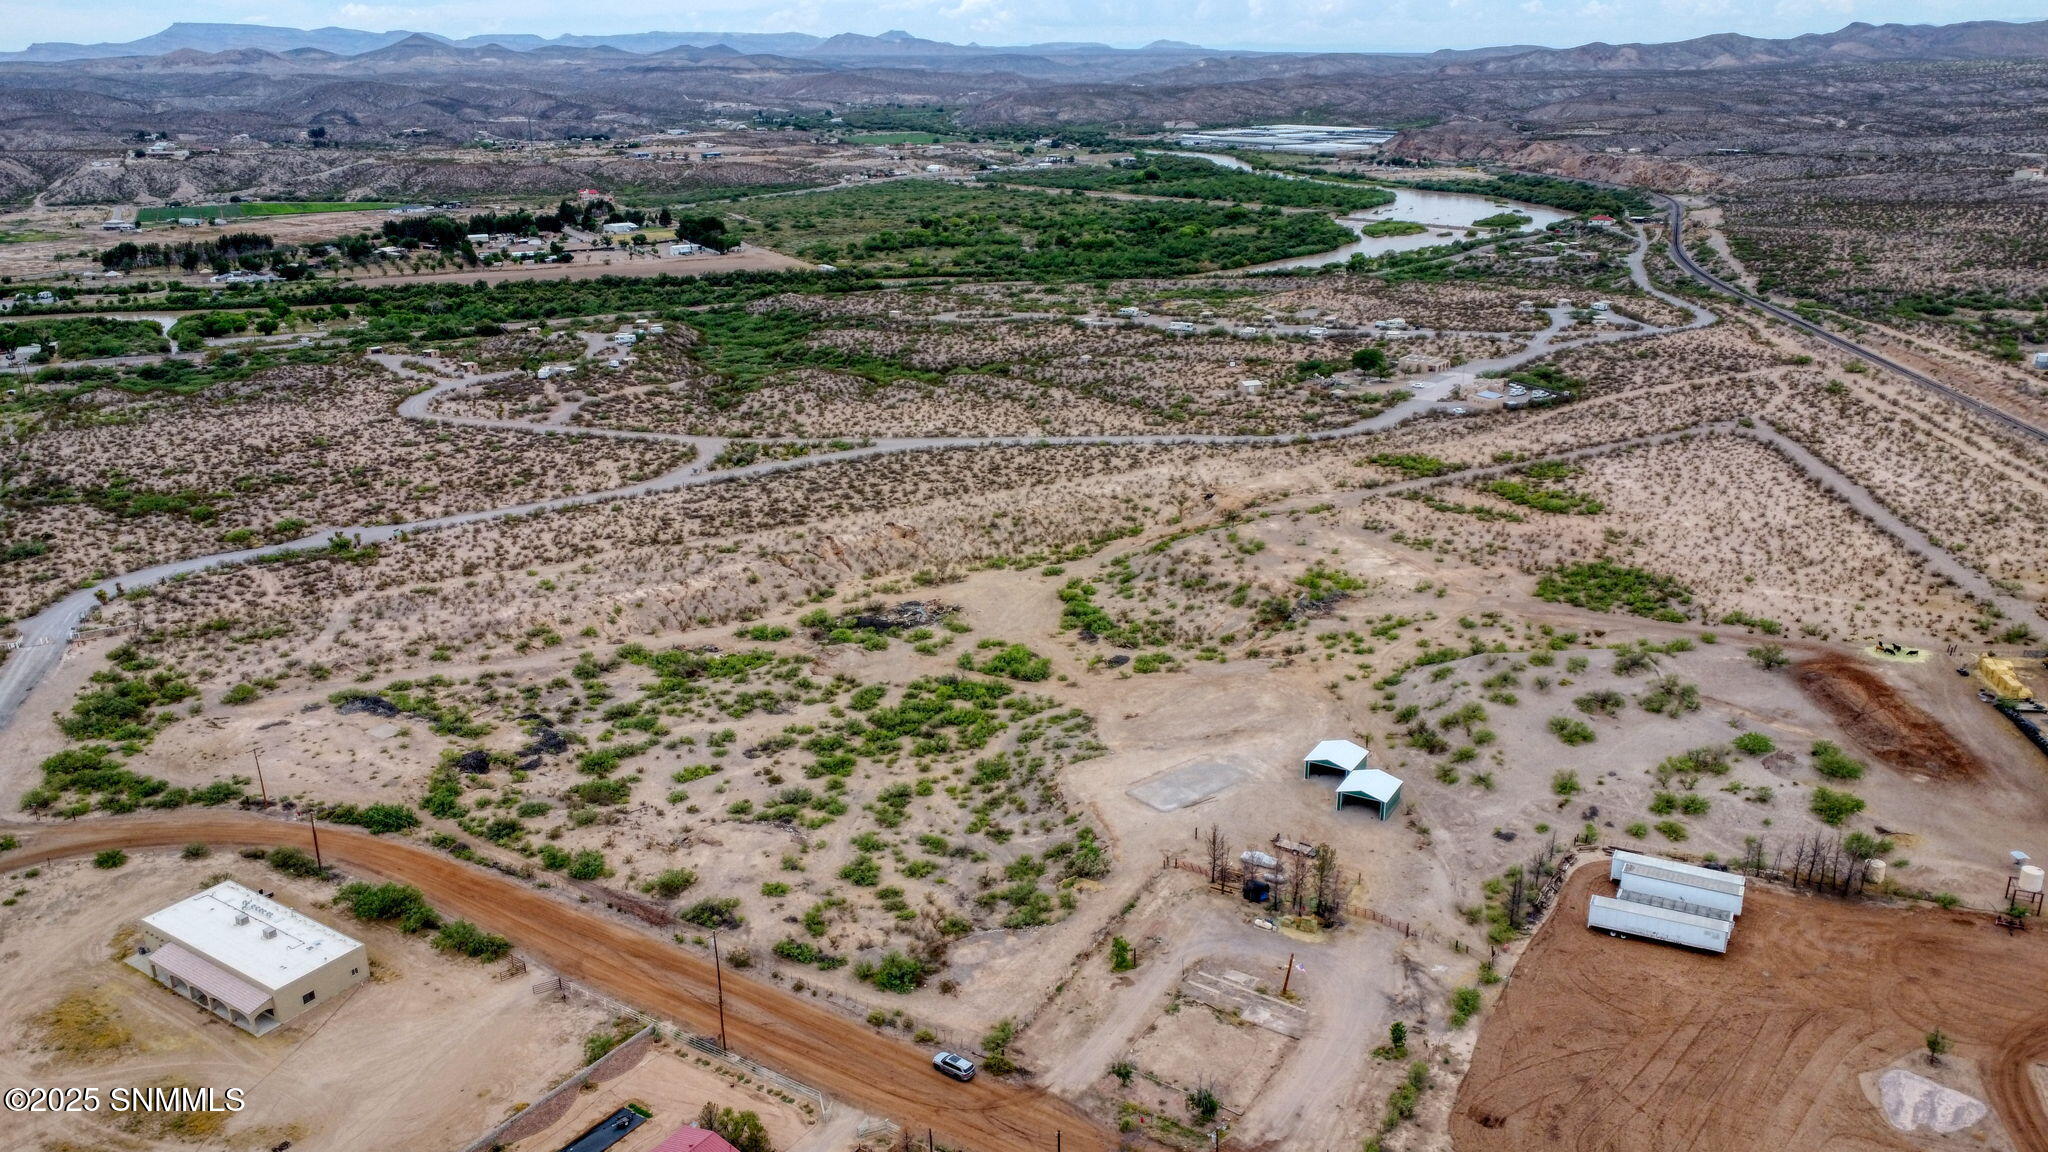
[{"x": 252, "y": 961}]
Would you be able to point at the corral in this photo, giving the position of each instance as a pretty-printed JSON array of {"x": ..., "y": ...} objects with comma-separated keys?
[{"x": 1606, "y": 1044}]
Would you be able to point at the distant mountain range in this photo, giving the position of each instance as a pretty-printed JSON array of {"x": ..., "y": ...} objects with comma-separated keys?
[
  {"x": 1854, "y": 43},
  {"x": 212, "y": 38}
]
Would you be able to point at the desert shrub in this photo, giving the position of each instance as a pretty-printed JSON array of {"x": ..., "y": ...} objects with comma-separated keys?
[
  {"x": 400, "y": 903},
  {"x": 294, "y": 862},
  {"x": 1011, "y": 661},
  {"x": 1671, "y": 697},
  {"x": 1830, "y": 761},
  {"x": 895, "y": 972},
  {"x": 1834, "y": 807},
  {"x": 720, "y": 912},
  {"x": 1603, "y": 586},
  {"x": 466, "y": 939},
  {"x": 1604, "y": 703},
  {"x": 111, "y": 858},
  {"x": 1572, "y": 732},
  {"x": 378, "y": 818},
  {"x": 995, "y": 1046},
  {"x": 862, "y": 870},
  {"x": 672, "y": 883},
  {"x": 1465, "y": 1004},
  {"x": 1754, "y": 744}
]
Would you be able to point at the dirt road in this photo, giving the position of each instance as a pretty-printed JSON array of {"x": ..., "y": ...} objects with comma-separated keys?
[
  {"x": 840, "y": 1057},
  {"x": 1600, "y": 1043}
]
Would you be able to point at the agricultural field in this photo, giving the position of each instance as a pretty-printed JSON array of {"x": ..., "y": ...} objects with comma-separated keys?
[{"x": 257, "y": 208}]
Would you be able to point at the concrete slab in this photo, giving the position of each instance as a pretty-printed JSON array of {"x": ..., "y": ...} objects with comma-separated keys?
[
  {"x": 1188, "y": 785},
  {"x": 1231, "y": 991}
]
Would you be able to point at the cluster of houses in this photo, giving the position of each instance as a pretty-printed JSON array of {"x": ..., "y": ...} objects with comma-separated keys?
[{"x": 24, "y": 299}]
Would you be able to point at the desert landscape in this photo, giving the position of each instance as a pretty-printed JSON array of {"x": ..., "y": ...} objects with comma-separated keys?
[{"x": 799, "y": 594}]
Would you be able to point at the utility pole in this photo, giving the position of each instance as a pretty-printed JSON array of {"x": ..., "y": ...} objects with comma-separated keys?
[
  {"x": 315, "y": 822},
  {"x": 1287, "y": 976},
  {"x": 718, "y": 974},
  {"x": 258, "y": 757}
]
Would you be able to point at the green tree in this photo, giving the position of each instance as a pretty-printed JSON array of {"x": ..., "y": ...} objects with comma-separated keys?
[{"x": 1938, "y": 1045}]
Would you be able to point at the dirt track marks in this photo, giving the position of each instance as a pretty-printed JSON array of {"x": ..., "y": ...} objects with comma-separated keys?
[
  {"x": 1875, "y": 715},
  {"x": 1630, "y": 1046}
]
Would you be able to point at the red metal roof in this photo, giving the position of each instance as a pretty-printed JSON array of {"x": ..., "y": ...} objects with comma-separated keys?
[{"x": 694, "y": 1140}]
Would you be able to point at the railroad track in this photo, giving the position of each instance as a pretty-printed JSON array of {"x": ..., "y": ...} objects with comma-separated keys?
[{"x": 1675, "y": 244}]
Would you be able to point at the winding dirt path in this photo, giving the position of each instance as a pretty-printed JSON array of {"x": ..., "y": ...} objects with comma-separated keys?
[{"x": 42, "y": 637}]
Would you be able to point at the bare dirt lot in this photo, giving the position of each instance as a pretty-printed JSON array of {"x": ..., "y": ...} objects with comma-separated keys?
[
  {"x": 1601, "y": 1043},
  {"x": 1890, "y": 726}
]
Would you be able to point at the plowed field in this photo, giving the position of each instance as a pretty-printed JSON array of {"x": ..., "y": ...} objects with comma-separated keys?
[{"x": 1631, "y": 1046}]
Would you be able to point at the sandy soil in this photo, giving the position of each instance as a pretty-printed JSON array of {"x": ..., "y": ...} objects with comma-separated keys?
[
  {"x": 1600, "y": 1043},
  {"x": 475, "y": 1033},
  {"x": 883, "y": 1075}
]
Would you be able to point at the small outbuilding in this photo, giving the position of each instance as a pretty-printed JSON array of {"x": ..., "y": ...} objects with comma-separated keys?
[
  {"x": 1340, "y": 756},
  {"x": 1379, "y": 790}
]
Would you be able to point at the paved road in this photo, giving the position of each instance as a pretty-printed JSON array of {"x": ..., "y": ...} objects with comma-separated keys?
[
  {"x": 1675, "y": 245},
  {"x": 840, "y": 1056}
]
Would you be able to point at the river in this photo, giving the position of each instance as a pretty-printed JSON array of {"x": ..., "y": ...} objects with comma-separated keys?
[{"x": 1445, "y": 214}]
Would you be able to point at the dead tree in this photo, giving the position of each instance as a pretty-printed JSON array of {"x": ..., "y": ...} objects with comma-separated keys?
[{"x": 1217, "y": 856}]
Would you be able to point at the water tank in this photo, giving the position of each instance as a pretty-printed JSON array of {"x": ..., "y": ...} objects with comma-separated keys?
[
  {"x": 1873, "y": 872},
  {"x": 2030, "y": 878}
]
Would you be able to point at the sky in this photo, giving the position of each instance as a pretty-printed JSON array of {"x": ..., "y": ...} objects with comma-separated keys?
[{"x": 1312, "y": 25}]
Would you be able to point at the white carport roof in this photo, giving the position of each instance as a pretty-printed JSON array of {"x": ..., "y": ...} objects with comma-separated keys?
[
  {"x": 1340, "y": 753},
  {"x": 1370, "y": 783}
]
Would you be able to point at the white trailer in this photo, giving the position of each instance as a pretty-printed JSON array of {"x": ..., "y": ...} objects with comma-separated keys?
[
  {"x": 1671, "y": 879},
  {"x": 1650, "y": 921}
]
